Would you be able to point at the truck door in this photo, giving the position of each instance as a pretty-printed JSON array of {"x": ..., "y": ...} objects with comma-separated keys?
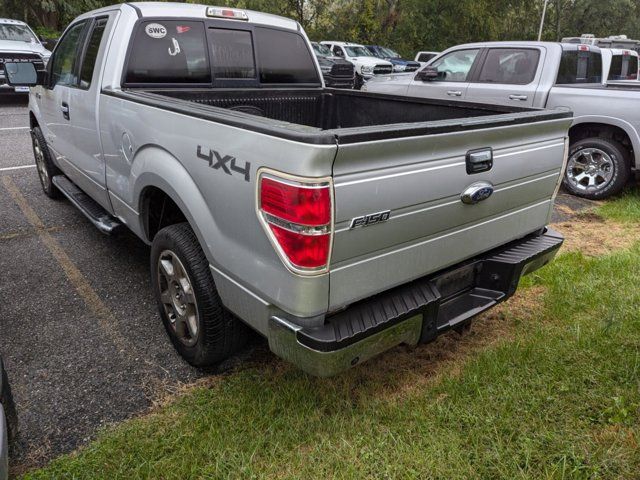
[
  {"x": 455, "y": 69},
  {"x": 508, "y": 76},
  {"x": 88, "y": 167},
  {"x": 54, "y": 99}
]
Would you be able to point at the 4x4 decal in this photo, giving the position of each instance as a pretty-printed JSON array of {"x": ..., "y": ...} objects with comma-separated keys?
[{"x": 221, "y": 163}]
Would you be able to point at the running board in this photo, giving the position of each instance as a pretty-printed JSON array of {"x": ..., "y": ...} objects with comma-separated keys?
[{"x": 97, "y": 215}]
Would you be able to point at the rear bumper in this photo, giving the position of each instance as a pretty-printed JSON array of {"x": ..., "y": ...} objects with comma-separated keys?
[{"x": 413, "y": 313}]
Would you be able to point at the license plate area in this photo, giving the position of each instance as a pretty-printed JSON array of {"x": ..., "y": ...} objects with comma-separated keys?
[{"x": 458, "y": 281}]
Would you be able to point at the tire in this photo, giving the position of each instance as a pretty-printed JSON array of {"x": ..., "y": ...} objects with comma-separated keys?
[
  {"x": 359, "y": 82},
  {"x": 201, "y": 330},
  {"x": 589, "y": 178},
  {"x": 6, "y": 399},
  {"x": 45, "y": 166}
]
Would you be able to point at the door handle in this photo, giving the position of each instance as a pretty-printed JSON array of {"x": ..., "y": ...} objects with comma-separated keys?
[
  {"x": 454, "y": 93},
  {"x": 522, "y": 98},
  {"x": 65, "y": 110}
]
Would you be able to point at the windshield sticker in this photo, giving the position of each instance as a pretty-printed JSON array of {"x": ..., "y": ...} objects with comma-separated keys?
[
  {"x": 182, "y": 29},
  {"x": 176, "y": 47},
  {"x": 155, "y": 30}
]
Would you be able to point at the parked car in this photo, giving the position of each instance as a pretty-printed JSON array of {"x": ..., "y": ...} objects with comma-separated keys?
[
  {"x": 619, "y": 65},
  {"x": 337, "y": 72},
  {"x": 336, "y": 223},
  {"x": 605, "y": 143},
  {"x": 8, "y": 422},
  {"x": 18, "y": 43},
  {"x": 425, "y": 57},
  {"x": 399, "y": 64},
  {"x": 367, "y": 66}
]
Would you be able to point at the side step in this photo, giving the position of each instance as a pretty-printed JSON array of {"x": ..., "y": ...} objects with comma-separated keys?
[{"x": 89, "y": 207}]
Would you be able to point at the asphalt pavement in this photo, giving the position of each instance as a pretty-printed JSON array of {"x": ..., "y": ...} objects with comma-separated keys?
[{"x": 79, "y": 331}]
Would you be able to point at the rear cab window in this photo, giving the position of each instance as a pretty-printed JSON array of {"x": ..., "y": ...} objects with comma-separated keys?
[
  {"x": 623, "y": 67},
  {"x": 188, "y": 53},
  {"x": 580, "y": 66},
  {"x": 168, "y": 52}
]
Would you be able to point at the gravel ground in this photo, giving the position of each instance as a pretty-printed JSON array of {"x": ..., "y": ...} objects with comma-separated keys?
[{"x": 79, "y": 332}]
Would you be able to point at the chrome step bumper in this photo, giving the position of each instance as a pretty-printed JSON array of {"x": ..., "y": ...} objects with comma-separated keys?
[{"x": 412, "y": 313}]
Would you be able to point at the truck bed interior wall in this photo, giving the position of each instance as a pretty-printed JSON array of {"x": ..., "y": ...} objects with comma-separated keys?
[{"x": 329, "y": 110}]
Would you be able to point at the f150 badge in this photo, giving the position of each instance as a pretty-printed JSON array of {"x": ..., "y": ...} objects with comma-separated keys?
[
  {"x": 227, "y": 163},
  {"x": 371, "y": 219},
  {"x": 476, "y": 193}
]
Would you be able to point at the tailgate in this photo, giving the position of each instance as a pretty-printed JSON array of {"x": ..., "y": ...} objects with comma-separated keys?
[{"x": 419, "y": 181}]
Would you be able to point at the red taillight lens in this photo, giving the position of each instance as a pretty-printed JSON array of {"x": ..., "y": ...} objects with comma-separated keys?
[
  {"x": 299, "y": 204},
  {"x": 297, "y": 214},
  {"x": 306, "y": 251}
]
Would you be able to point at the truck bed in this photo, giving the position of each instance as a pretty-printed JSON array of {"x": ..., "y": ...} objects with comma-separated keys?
[{"x": 327, "y": 116}]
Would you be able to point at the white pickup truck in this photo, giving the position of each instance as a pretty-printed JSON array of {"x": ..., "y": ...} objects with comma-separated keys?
[{"x": 605, "y": 139}]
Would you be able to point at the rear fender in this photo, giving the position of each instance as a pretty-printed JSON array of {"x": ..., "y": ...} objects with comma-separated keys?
[
  {"x": 629, "y": 129},
  {"x": 156, "y": 167}
]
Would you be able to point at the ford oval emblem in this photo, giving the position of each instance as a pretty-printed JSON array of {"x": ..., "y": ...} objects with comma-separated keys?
[{"x": 477, "y": 193}]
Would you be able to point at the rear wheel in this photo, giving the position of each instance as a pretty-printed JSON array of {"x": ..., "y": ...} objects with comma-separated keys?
[
  {"x": 199, "y": 326},
  {"x": 46, "y": 169},
  {"x": 597, "y": 168}
]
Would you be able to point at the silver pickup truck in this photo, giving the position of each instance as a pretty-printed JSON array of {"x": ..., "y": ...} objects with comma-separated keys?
[
  {"x": 605, "y": 137},
  {"x": 335, "y": 223}
]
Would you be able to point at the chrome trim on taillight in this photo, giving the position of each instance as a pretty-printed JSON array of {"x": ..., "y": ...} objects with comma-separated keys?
[{"x": 266, "y": 219}]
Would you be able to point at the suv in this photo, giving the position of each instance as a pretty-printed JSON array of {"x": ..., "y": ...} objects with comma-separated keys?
[
  {"x": 18, "y": 43},
  {"x": 337, "y": 72},
  {"x": 399, "y": 64},
  {"x": 367, "y": 66}
]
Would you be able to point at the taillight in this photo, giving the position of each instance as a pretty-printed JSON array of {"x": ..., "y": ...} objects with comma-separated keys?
[{"x": 297, "y": 214}]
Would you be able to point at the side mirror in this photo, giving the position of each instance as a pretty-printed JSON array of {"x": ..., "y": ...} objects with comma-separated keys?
[
  {"x": 22, "y": 74},
  {"x": 428, "y": 74}
]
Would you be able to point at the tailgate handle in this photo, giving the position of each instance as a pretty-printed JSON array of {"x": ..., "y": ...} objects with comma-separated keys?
[{"x": 480, "y": 160}]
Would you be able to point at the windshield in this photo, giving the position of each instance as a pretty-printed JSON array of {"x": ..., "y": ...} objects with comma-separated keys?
[
  {"x": 322, "y": 50},
  {"x": 358, "y": 52},
  {"x": 390, "y": 53},
  {"x": 16, "y": 33}
]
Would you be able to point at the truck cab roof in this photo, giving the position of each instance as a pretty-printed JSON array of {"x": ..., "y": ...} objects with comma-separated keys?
[{"x": 188, "y": 10}]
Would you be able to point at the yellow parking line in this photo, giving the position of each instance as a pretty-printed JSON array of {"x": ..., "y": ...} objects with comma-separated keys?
[{"x": 105, "y": 318}]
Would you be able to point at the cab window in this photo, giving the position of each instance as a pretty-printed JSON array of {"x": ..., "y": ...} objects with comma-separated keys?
[
  {"x": 455, "y": 66},
  {"x": 510, "y": 66},
  {"x": 623, "y": 67},
  {"x": 580, "y": 66},
  {"x": 296, "y": 65},
  {"x": 65, "y": 57},
  {"x": 91, "y": 52},
  {"x": 169, "y": 52}
]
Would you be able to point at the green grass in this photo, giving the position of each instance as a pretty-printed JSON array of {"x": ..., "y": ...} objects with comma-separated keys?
[
  {"x": 624, "y": 209},
  {"x": 557, "y": 398}
]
